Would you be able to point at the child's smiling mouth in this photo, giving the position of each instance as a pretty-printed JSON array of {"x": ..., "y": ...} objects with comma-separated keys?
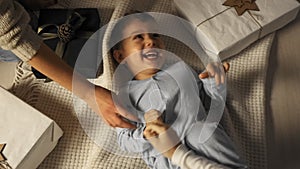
[{"x": 150, "y": 54}]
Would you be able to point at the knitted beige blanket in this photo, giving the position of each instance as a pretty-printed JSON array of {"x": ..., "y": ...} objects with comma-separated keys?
[{"x": 245, "y": 120}]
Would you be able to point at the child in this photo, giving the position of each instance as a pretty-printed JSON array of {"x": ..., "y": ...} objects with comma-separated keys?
[{"x": 168, "y": 87}]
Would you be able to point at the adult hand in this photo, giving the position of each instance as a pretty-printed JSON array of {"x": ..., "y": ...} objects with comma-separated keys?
[
  {"x": 112, "y": 114},
  {"x": 217, "y": 71},
  {"x": 98, "y": 98}
]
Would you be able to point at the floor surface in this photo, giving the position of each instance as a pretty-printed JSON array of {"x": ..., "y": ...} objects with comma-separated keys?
[{"x": 284, "y": 95}]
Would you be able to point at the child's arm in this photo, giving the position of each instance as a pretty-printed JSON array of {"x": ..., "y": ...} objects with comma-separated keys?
[
  {"x": 212, "y": 91},
  {"x": 155, "y": 132}
]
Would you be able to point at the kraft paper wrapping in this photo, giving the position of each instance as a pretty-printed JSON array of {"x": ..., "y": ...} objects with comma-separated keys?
[
  {"x": 28, "y": 134},
  {"x": 222, "y": 32}
]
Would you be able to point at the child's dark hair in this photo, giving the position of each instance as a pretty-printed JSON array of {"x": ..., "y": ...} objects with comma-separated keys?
[{"x": 120, "y": 25}]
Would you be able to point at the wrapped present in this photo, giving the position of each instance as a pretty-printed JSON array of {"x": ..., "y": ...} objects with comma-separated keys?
[
  {"x": 26, "y": 135},
  {"x": 225, "y": 27},
  {"x": 66, "y": 31}
]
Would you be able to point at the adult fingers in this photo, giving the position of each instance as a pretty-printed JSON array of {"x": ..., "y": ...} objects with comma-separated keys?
[
  {"x": 122, "y": 112},
  {"x": 108, "y": 110},
  {"x": 115, "y": 120}
]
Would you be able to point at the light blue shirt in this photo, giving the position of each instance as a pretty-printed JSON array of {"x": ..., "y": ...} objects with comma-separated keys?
[{"x": 176, "y": 92}]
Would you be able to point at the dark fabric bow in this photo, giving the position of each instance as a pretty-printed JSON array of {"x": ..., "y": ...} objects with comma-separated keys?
[{"x": 65, "y": 32}]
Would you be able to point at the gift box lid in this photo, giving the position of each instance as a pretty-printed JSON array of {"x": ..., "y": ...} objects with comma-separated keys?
[
  {"x": 199, "y": 11},
  {"x": 224, "y": 32},
  {"x": 21, "y": 127},
  {"x": 274, "y": 14}
]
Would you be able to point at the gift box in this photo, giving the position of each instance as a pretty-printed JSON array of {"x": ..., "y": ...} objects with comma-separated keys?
[
  {"x": 66, "y": 31},
  {"x": 26, "y": 135},
  {"x": 225, "y": 27}
]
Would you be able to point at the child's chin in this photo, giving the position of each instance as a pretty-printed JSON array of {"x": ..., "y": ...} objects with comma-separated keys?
[
  {"x": 154, "y": 65},
  {"x": 151, "y": 70}
]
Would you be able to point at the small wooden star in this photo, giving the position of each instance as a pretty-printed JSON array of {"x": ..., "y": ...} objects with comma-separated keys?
[
  {"x": 2, "y": 158},
  {"x": 241, "y": 6}
]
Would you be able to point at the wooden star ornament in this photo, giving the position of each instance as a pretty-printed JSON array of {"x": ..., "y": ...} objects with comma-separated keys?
[
  {"x": 241, "y": 6},
  {"x": 2, "y": 158}
]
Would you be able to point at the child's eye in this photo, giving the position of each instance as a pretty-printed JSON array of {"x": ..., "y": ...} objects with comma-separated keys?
[
  {"x": 156, "y": 35},
  {"x": 139, "y": 36}
]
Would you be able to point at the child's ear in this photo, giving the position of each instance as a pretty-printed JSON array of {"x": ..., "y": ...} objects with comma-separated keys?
[{"x": 118, "y": 56}]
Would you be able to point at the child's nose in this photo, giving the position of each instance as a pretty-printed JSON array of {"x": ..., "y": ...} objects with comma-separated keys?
[{"x": 150, "y": 41}]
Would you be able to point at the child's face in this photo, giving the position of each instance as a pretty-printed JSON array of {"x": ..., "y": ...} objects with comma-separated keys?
[{"x": 140, "y": 50}]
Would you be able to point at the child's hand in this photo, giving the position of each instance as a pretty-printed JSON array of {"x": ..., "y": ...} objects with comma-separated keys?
[
  {"x": 157, "y": 136},
  {"x": 217, "y": 71},
  {"x": 162, "y": 138},
  {"x": 154, "y": 124}
]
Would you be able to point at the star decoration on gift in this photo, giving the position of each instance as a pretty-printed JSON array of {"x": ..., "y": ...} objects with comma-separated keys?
[
  {"x": 241, "y": 6},
  {"x": 2, "y": 158}
]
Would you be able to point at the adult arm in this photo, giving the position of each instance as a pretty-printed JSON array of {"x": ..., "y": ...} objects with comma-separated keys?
[
  {"x": 16, "y": 35},
  {"x": 98, "y": 98}
]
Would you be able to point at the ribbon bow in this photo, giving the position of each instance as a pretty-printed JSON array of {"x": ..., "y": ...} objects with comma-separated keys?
[
  {"x": 241, "y": 6},
  {"x": 65, "y": 32}
]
